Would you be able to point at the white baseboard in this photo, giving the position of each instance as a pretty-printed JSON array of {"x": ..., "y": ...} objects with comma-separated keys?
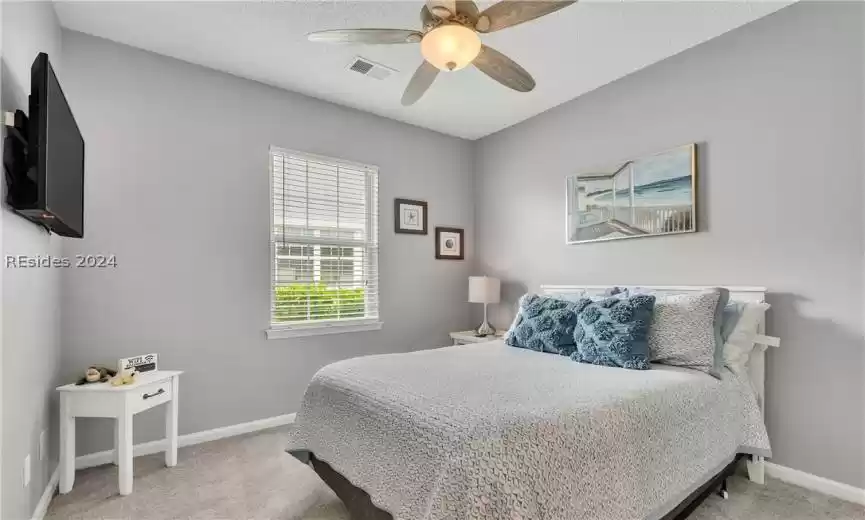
[
  {"x": 148, "y": 448},
  {"x": 783, "y": 473},
  {"x": 815, "y": 483},
  {"x": 45, "y": 499}
]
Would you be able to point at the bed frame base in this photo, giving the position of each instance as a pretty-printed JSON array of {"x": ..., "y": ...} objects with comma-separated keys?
[
  {"x": 360, "y": 506},
  {"x": 356, "y": 500},
  {"x": 693, "y": 501}
]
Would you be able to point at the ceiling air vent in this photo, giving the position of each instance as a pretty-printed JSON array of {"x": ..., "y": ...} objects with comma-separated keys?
[{"x": 370, "y": 68}]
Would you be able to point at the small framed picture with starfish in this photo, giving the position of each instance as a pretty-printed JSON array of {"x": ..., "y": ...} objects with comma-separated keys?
[{"x": 410, "y": 216}]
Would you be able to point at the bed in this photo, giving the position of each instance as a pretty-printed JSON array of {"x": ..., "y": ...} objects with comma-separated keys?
[{"x": 491, "y": 431}]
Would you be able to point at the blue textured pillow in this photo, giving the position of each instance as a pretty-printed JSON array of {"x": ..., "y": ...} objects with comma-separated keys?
[
  {"x": 614, "y": 332},
  {"x": 718, "y": 327},
  {"x": 544, "y": 324},
  {"x": 732, "y": 313}
]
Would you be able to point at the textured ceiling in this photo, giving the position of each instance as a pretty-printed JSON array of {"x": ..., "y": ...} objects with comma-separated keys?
[{"x": 569, "y": 52}]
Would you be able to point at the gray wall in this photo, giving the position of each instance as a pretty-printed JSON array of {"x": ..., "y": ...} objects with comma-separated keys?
[
  {"x": 777, "y": 109},
  {"x": 177, "y": 187},
  {"x": 31, "y": 299}
]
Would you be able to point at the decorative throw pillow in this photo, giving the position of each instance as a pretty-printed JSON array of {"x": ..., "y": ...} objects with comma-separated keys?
[
  {"x": 741, "y": 330},
  {"x": 686, "y": 330},
  {"x": 574, "y": 296},
  {"x": 544, "y": 324},
  {"x": 613, "y": 331},
  {"x": 732, "y": 313},
  {"x": 717, "y": 327}
]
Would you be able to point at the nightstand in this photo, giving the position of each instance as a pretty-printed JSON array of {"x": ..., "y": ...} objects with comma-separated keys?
[
  {"x": 119, "y": 403},
  {"x": 467, "y": 337}
]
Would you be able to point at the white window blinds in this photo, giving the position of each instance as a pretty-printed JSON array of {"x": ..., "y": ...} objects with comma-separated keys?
[{"x": 324, "y": 242}]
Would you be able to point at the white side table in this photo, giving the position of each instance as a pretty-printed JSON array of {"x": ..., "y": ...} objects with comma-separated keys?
[
  {"x": 120, "y": 403},
  {"x": 467, "y": 337}
]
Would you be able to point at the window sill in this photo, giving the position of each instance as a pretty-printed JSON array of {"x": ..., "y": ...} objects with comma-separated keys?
[{"x": 319, "y": 329}]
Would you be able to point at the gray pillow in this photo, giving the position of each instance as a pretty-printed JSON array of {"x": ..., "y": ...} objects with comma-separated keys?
[
  {"x": 574, "y": 296},
  {"x": 686, "y": 330}
]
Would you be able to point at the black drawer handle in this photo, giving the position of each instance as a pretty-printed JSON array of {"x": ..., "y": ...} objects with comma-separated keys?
[{"x": 154, "y": 394}]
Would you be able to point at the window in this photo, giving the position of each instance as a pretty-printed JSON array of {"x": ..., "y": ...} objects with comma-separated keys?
[
  {"x": 324, "y": 245},
  {"x": 337, "y": 264}
]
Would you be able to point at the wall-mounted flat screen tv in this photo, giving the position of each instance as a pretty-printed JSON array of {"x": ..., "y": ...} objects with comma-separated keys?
[{"x": 52, "y": 194}]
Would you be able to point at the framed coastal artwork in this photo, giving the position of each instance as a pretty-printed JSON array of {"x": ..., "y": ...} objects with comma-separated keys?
[
  {"x": 410, "y": 216},
  {"x": 450, "y": 243},
  {"x": 650, "y": 196}
]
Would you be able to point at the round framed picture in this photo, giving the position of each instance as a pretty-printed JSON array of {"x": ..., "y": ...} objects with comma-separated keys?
[{"x": 449, "y": 243}]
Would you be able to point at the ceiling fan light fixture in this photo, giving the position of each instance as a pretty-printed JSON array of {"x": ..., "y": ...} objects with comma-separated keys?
[{"x": 450, "y": 46}]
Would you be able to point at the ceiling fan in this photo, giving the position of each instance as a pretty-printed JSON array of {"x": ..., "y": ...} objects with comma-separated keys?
[{"x": 449, "y": 40}]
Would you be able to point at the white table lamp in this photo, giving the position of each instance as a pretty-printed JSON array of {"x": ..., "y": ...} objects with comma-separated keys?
[{"x": 486, "y": 290}]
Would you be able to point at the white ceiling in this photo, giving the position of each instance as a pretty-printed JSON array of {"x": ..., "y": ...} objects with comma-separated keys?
[{"x": 569, "y": 52}]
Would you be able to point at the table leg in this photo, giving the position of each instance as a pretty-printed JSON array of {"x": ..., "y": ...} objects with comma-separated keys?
[
  {"x": 124, "y": 448},
  {"x": 171, "y": 425},
  {"x": 116, "y": 454},
  {"x": 67, "y": 445}
]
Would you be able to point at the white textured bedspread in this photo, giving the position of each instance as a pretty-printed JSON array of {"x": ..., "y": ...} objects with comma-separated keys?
[{"x": 496, "y": 432}]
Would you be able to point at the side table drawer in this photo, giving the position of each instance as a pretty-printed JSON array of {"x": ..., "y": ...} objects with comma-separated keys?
[{"x": 151, "y": 395}]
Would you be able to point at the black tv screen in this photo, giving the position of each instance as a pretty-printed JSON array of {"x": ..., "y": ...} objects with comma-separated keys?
[{"x": 56, "y": 154}]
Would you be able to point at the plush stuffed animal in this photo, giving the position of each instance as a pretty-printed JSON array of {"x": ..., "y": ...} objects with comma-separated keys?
[
  {"x": 124, "y": 378},
  {"x": 96, "y": 374}
]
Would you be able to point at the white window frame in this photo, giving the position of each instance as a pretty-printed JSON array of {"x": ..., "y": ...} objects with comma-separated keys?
[{"x": 320, "y": 327}]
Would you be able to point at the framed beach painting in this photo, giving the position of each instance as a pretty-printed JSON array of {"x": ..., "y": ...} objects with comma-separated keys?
[{"x": 650, "y": 196}]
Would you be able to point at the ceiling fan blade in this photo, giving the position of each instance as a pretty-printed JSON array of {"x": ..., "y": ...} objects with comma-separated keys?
[
  {"x": 468, "y": 8},
  {"x": 370, "y": 36},
  {"x": 444, "y": 9},
  {"x": 463, "y": 7},
  {"x": 421, "y": 80},
  {"x": 427, "y": 20},
  {"x": 513, "y": 12},
  {"x": 504, "y": 70}
]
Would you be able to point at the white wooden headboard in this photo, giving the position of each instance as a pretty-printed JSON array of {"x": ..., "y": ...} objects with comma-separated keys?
[{"x": 757, "y": 363}]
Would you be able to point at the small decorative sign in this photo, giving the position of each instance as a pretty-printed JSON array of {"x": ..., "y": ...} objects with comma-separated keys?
[{"x": 143, "y": 363}]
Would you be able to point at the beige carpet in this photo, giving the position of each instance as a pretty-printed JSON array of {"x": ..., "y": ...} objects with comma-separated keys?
[{"x": 250, "y": 477}]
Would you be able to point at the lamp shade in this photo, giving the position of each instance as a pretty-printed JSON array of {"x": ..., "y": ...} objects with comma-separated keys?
[{"x": 483, "y": 289}]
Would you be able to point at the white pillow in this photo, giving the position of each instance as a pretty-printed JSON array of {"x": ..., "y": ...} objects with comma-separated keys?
[{"x": 740, "y": 342}]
